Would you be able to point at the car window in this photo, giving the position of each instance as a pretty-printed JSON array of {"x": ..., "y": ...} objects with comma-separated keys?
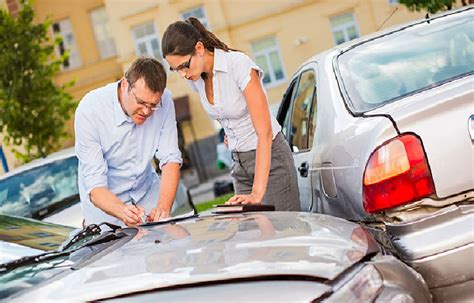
[
  {"x": 416, "y": 58},
  {"x": 285, "y": 112},
  {"x": 300, "y": 117},
  {"x": 35, "y": 189}
]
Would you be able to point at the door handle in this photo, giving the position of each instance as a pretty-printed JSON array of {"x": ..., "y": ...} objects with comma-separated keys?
[{"x": 303, "y": 169}]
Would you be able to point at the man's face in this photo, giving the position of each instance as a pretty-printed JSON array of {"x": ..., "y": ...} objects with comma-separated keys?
[{"x": 140, "y": 101}]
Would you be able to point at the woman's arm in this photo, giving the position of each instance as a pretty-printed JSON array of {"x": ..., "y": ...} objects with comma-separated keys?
[{"x": 259, "y": 113}]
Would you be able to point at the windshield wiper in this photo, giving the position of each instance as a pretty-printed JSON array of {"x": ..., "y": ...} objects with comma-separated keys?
[
  {"x": 89, "y": 230},
  {"x": 62, "y": 251}
]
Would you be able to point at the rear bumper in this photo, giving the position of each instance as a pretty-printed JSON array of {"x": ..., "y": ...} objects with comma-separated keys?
[
  {"x": 439, "y": 246},
  {"x": 401, "y": 283},
  {"x": 461, "y": 292}
]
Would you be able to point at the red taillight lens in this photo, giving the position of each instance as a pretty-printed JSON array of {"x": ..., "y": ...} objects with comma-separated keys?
[{"x": 397, "y": 173}]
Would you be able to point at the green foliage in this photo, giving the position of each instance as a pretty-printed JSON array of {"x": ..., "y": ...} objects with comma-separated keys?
[
  {"x": 33, "y": 110},
  {"x": 432, "y": 6}
]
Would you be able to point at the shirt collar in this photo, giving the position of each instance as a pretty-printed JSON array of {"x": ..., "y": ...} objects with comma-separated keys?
[
  {"x": 220, "y": 60},
  {"x": 120, "y": 116}
]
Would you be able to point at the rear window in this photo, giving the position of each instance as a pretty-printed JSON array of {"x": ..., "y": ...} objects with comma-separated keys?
[{"x": 414, "y": 59}]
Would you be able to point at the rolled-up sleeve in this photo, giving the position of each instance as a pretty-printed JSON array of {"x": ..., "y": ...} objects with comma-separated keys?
[
  {"x": 168, "y": 148},
  {"x": 92, "y": 165},
  {"x": 241, "y": 66}
]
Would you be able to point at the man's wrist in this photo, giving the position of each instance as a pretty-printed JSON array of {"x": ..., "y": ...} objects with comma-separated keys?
[{"x": 164, "y": 206}]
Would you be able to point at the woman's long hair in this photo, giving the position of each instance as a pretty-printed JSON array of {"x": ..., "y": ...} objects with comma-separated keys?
[{"x": 181, "y": 37}]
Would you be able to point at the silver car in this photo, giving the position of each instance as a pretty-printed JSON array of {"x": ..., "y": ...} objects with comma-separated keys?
[
  {"x": 382, "y": 132},
  {"x": 47, "y": 189},
  {"x": 240, "y": 257}
]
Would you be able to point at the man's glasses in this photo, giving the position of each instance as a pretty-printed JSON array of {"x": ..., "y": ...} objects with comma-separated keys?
[
  {"x": 150, "y": 106},
  {"x": 183, "y": 66}
]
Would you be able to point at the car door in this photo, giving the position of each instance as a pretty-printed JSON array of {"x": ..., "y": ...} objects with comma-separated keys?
[{"x": 297, "y": 116}]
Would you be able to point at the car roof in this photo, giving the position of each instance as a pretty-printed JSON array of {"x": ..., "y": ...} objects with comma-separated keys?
[
  {"x": 213, "y": 249},
  {"x": 59, "y": 155}
]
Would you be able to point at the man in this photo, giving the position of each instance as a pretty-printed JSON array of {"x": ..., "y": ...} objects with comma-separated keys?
[{"x": 119, "y": 129}]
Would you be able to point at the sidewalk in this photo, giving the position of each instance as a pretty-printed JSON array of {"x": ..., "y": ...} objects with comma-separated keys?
[{"x": 204, "y": 192}]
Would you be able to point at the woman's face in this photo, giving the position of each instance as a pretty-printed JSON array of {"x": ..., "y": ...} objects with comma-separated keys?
[{"x": 190, "y": 66}]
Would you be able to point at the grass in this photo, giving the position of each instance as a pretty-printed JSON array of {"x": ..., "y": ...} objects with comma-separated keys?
[{"x": 207, "y": 205}]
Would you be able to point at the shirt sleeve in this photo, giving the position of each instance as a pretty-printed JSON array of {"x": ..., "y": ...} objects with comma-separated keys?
[
  {"x": 92, "y": 165},
  {"x": 242, "y": 65},
  {"x": 168, "y": 148}
]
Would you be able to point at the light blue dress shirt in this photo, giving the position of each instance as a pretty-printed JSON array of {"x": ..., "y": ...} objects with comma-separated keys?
[{"x": 116, "y": 153}]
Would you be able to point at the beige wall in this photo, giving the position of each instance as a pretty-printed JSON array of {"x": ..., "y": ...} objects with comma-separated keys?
[
  {"x": 236, "y": 22},
  {"x": 93, "y": 71}
]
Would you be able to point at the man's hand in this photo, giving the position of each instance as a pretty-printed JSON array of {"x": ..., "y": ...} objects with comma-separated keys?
[
  {"x": 158, "y": 213},
  {"x": 244, "y": 199},
  {"x": 131, "y": 215}
]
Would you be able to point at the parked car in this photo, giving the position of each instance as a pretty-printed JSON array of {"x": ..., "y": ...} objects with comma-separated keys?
[
  {"x": 47, "y": 189},
  {"x": 242, "y": 257},
  {"x": 382, "y": 131}
]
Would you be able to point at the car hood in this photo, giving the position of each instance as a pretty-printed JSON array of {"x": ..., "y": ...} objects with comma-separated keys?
[{"x": 218, "y": 248}]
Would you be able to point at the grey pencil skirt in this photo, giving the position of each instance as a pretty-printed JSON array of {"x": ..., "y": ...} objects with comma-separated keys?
[{"x": 282, "y": 188}]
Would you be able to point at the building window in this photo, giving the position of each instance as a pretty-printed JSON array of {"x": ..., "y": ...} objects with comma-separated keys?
[
  {"x": 147, "y": 43},
  {"x": 267, "y": 56},
  {"x": 344, "y": 28},
  {"x": 102, "y": 32},
  {"x": 198, "y": 13},
  {"x": 63, "y": 28}
]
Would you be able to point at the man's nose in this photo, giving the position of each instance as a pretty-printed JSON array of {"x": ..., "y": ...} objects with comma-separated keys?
[{"x": 147, "y": 110}]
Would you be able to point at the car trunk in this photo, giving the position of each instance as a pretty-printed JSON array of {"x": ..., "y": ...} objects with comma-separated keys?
[{"x": 441, "y": 118}]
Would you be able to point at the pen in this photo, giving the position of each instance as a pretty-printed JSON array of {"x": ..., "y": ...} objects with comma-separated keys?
[{"x": 143, "y": 216}]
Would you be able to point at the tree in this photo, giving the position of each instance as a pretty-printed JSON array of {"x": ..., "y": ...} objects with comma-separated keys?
[
  {"x": 432, "y": 6},
  {"x": 33, "y": 110}
]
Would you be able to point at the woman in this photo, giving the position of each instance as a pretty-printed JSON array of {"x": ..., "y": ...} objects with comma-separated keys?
[{"x": 230, "y": 88}]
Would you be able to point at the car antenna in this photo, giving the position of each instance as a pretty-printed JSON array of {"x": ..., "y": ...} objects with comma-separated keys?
[
  {"x": 427, "y": 17},
  {"x": 388, "y": 18}
]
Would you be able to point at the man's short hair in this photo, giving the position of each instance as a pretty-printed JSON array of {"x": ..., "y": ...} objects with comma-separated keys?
[{"x": 151, "y": 70}]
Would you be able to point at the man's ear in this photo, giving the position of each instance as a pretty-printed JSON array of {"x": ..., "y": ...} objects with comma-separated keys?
[{"x": 124, "y": 83}]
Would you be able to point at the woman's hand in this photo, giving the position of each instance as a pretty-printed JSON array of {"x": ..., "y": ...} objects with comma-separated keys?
[{"x": 245, "y": 199}]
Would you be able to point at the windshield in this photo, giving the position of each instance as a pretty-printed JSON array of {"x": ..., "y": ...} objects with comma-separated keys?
[
  {"x": 417, "y": 58},
  {"x": 28, "y": 192},
  {"x": 82, "y": 247}
]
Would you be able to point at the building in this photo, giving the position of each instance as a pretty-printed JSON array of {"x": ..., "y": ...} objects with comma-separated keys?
[{"x": 105, "y": 36}]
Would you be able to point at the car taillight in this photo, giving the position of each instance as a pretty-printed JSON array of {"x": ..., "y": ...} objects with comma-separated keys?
[{"x": 397, "y": 173}]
